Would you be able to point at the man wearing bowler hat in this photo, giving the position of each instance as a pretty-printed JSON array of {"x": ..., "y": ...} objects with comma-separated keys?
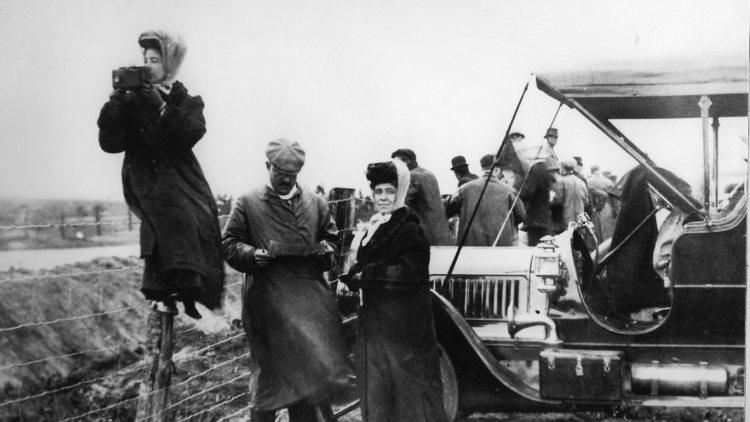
[
  {"x": 461, "y": 170},
  {"x": 282, "y": 237}
]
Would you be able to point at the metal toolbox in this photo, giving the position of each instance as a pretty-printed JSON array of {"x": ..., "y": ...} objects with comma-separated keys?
[{"x": 580, "y": 374}]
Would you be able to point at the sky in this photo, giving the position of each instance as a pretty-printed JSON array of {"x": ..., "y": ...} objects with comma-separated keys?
[{"x": 351, "y": 81}]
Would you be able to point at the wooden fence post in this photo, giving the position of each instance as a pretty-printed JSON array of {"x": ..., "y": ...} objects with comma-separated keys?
[
  {"x": 163, "y": 379},
  {"x": 154, "y": 391},
  {"x": 98, "y": 218},
  {"x": 342, "y": 209},
  {"x": 62, "y": 225}
]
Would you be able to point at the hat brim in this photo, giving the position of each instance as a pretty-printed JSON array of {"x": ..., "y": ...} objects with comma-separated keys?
[{"x": 459, "y": 166}]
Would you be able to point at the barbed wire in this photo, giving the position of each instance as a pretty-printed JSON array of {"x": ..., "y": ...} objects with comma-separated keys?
[
  {"x": 69, "y": 355},
  {"x": 132, "y": 369},
  {"x": 67, "y": 319},
  {"x": 134, "y": 399},
  {"x": 119, "y": 373},
  {"x": 134, "y": 220},
  {"x": 103, "y": 409},
  {"x": 68, "y": 275},
  {"x": 198, "y": 394},
  {"x": 67, "y": 225},
  {"x": 214, "y": 407},
  {"x": 234, "y": 414},
  {"x": 211, "y": 369}
]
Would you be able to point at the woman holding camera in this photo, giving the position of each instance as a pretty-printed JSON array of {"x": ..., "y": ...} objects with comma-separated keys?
[
  {"x": 156, "y": 124},
  {"x": 397, "y": 361}
]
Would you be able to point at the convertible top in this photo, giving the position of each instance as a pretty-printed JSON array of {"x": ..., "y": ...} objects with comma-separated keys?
[{"x": 654, "y": 90}]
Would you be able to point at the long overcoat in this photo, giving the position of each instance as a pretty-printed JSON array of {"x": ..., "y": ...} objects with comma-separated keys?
[
  {"x": 296, "y": 342},
  {"x": 424, "y": 198},
  {"x": 398, "y": 372},
  {"x": 164, "y": 185},
  {"x": 493, "y": 211},
  {"x": 535, "y": 195}
]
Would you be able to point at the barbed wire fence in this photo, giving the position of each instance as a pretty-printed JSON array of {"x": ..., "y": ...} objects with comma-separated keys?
[{"x": 75, "y": 340}]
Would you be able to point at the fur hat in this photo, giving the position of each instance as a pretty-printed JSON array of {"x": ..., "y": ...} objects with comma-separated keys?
[
  {"x": 384, "y": 172},
  {"x": 395, "y": 172}
]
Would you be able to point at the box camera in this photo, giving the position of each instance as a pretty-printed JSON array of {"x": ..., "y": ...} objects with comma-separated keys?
[{"x": 129, "y": 78}]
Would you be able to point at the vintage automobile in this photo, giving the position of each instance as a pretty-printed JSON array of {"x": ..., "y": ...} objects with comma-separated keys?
[{"x": 583, "y": 321}]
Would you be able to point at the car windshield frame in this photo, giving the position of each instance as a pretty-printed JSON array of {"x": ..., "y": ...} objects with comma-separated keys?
[{"x": 652, "y": 92}]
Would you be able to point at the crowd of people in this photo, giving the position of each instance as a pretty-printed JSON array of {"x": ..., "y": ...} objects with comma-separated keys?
[
  {"x": 283, "y": 237},
  {"x": 532, "y": 191}
]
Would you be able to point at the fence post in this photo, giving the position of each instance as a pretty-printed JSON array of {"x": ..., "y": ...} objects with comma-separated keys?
[
  {"x": 164, "y": 370},
  {"x": 62, "y": 225},
  {"x": 342, "y": 209},
  {"x": 130, "y": 220},
  {"x": 154, "y": 391},
  {"x": 98, "y": 218}
]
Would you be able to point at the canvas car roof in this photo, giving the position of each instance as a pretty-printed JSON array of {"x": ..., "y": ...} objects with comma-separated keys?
[{"x": 652, "y": 90}]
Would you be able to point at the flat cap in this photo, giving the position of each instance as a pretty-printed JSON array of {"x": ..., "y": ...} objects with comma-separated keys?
[
  {"x": 551, "y": 132},
  {"x": 568, "y": 164},
  {"x": 486, "y": 161},
  {"x": 405, "y": 153},
  {"x": 285, "y": 155}
]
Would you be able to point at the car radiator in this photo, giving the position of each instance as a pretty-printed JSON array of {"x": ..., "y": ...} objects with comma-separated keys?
[{"x": 483, "y": 297}]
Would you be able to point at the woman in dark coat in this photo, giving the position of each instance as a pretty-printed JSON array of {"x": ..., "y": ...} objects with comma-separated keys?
[
  {"x": 156, "y": 127},
  {"x": 397, "y": 361}
]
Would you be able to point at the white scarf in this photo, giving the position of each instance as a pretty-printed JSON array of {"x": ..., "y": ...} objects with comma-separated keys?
[
  {"x": 375, "y": 221},
  {"x": 286, "y": 197}
]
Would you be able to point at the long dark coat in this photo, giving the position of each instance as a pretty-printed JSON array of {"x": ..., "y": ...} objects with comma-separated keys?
[
  {"x": 297, "y": 347},
  {"x": 493, "y": 210},
  {"x": 165, "y": 188},
  {"x": 398, "y": 372},
  {"x": 424, "y": 198},
  {"x": 535, "y": 195}
]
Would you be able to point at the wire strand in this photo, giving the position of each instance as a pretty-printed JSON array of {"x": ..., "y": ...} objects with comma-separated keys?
[{"x": 73, "y": 318}]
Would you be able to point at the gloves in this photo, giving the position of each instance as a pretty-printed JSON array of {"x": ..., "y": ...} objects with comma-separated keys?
[{"x": 353, "y": 279}]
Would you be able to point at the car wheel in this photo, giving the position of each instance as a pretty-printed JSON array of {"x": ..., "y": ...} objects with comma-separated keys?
[{"x": 450, "y": 385}]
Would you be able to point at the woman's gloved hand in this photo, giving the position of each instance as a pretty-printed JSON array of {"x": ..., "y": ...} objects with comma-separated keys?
[
  {"x": 150, "y": 94},
  {"x": 353, "y": 278}
]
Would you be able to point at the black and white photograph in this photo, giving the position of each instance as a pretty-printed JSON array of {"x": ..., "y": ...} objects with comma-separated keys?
[{"x": 374, "y": 211}]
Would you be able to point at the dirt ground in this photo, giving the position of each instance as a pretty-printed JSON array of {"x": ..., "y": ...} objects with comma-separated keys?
[{"x": 210, "y": 382}]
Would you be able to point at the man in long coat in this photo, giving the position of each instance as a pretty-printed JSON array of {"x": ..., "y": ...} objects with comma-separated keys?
[
  {"x": 571, "y": 193},
  {"x": 281, "y": 236},
  {"x": 493, "y": 210},
  {"x": 535, "y": 194},
  {"x": 424, "y": 199}
]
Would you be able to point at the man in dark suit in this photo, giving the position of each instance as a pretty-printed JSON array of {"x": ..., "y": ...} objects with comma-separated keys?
[
  {"x": 424, "y": 198},
  {"x": 461, "y": 170}
]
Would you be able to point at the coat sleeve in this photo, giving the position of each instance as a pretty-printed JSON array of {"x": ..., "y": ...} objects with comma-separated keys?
[
  {"x": 236, "y": 241},
  {"x": 412, "y": 259},
  {"x": 413, "y": 191},
  {"x": 519, "y": 211},
  {"x": 453, "y": 206},
  {"x": 328, "y": 232},
  {"x": 111, "y": 122},
  {"x": 184, "y": 121}
]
